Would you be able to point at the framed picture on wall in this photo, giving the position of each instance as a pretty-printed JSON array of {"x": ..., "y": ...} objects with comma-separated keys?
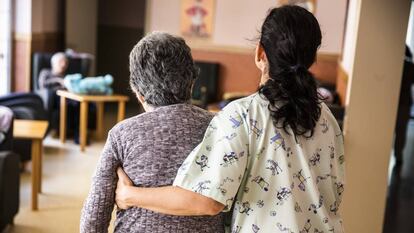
[
  {"x": 310, "y": 5},
  {"x": 197, "y": 18}
]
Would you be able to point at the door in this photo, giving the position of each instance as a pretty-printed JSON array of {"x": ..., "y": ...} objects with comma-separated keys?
[{"x": 5, "y": 46}]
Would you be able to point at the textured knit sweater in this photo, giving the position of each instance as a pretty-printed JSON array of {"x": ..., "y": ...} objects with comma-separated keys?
[{"x": 150, "y": 148}]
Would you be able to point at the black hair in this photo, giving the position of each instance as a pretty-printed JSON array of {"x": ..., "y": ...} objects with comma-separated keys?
[{"x": 290, "y": 37}]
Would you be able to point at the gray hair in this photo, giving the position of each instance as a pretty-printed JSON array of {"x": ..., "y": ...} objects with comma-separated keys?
[
  {"x": 57, "y": 57},
  {"x": 162, "y": 69}
]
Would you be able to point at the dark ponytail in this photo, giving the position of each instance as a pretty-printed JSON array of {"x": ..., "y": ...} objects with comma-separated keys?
[{"x": 290, "y": 37}]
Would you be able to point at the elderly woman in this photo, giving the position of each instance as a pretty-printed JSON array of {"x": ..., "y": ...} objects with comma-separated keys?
[{"x": 151, "y": 147}]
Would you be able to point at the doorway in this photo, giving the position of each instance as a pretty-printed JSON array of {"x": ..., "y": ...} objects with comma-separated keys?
[
  {"x": 400, "y": 198},
  {"x": 120, "y": 27}
]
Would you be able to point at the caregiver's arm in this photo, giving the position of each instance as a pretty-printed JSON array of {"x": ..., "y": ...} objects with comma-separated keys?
[
  {"x": 167, "y": 200},
  {"x": 208, "y": 178}
]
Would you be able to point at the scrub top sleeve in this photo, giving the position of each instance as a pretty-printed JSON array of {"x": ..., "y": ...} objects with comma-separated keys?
[{"x": 215, "y": 168}]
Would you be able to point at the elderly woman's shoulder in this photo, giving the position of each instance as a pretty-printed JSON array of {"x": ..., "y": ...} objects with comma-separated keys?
[
  {"x": 162, "y": 115},
  {"x": 195, "y": 113},
  {"x": 126, "y": 124}
]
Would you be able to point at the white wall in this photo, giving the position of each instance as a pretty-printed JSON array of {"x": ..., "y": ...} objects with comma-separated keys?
[
  {"x": 22, "y": 22},
  {"x": 237, "y": 22},
  {"x": 34, "y": 16},
  {"x": 331, "y": 16},
  {"x": 163, "y": 16},
  {"x": 410, "y": 30},
  {"x": 5, "y": 46},
  {"x": 350, "y": 36},
  {"x": 376, "y": 61}
]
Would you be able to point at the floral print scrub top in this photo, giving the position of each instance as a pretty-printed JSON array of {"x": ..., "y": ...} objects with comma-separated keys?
[{"x": 274, "y": 181}]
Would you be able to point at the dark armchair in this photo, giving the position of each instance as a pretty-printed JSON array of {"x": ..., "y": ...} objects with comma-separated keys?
[
  {"x": 26, "y": 106},
  {"x": 9, "y": 187},
  {"x": 9, "y": 181},
  {"x": 205, "y": 87}
]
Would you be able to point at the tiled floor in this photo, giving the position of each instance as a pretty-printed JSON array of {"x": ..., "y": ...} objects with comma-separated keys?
[
  {"x": 399, "y": 216},
  {"x": 66, "y": 179}
]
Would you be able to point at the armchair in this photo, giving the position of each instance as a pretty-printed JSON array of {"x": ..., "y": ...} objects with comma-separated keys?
[
  {"x": 26, "y": 106},
  {"x": 205, "y": 87},
  {"x": 9, "y": 181}
]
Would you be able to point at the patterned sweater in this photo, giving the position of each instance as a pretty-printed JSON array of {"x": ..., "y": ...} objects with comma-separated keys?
[{"x": 150, "y": 147}]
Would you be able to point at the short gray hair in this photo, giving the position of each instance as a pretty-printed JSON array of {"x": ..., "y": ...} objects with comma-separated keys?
[
  {"x": 57, "y": 57},
  {"x": 162, "y": 69}
]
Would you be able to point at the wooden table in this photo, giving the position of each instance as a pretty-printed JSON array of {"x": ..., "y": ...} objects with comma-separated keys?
[
  {"x": 84, "y": 100},
  {"x": 35, "y": 131}
]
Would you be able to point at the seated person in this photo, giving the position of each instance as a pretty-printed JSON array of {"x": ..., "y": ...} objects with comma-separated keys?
[
  {"x": 53, "y": 79},
  {"x": 6, "y": 120},
  {"x": 151, "y": 147}
]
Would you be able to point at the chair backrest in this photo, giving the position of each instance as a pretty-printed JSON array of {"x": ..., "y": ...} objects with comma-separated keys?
[
  {"x": 205, "y": 87},
  {"x": 42, "y": 61}
]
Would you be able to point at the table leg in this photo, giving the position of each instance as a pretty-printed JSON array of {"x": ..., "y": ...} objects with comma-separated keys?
[
  {"x": 99, "y": 119},
  {"x": 40, "y": 167},
  {"x": 83, "y": 128},
  {"x": 62, "y": 127},
  {"x": 121, "y": 110},
  {"x": 35, "y": 173}
]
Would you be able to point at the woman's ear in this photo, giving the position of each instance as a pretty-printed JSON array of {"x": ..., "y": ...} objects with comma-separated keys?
[
  {"x": 140, "y": 98},
  {"x": 260, "y": 57}
]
